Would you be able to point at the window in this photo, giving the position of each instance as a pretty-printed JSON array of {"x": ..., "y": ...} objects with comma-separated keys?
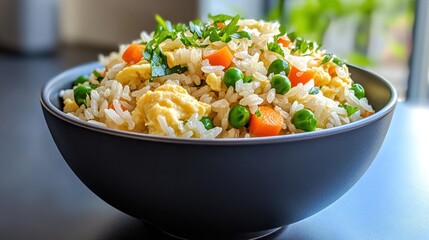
[
  {"x": 374, "y": 34},
  {"x": 419, "y": 78}
]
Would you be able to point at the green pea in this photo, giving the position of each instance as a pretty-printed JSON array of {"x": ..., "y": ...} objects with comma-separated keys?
[
  {"x": 281, "y": 83},
  {"x": 314, "y": 90},
  {"x": 278, "y": 66},
  {"x": 207, "y": 122},
  {"x": 247, "y": 79},
  {"x": 239, "y": 116},
  {"x": 80, "y": 94},
  {"x": 305, "y": 120},
  {"x": 232, "y": 75},
  {"x": 80, "y": 80},
  {"x": 359, "y": 90}
]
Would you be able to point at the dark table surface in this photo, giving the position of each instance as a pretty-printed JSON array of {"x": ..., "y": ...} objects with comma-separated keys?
[{"x": 41, "y": 198}]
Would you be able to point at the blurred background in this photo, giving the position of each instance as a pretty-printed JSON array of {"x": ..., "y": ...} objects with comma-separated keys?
[
  {"x": 376, "y": 34},
  {"x": 40, "y": 196}
]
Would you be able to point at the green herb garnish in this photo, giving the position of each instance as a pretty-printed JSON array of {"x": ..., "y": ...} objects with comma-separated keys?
[
  {"x": 282, "y": 30},
  {"x": 338, "y": 62},
  {"x": 275, "y": 47},
  {"x": 314, "y": 90},
  {"x": 219, "y": 18},
  {"x": 327, "y": 58},
  {"x": 350, "y": 109},
  {"x": 97, "y": 75},
  {"x": 241, "y": 34},
  {"x": 292, "y": 36}
]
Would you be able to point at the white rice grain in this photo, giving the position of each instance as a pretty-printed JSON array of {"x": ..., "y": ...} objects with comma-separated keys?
[
  {"x": 251, "y": 99},
  {"x": 112, "y": 115},
  {"x": 163, "y": 123},
  {"x": 271, "y": 95}
]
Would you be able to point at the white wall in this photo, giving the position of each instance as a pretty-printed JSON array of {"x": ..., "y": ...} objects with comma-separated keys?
[{"x": 106, "y": 23}]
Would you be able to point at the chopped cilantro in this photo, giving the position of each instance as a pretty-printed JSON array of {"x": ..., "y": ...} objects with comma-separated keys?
[
  {"x": 190, "y": 41},
  {"x": 275, "y": 47},
  {"x": 232, "y": 27},
  {"x": 158, "y": 62},
  {"x": 241, "y": 34},
  {"x": 258, "y": 113},
  {"x": 166, "y": 25},
  {"x": 97, "y": 75},
  {"x": 214, "y": 36},
  {"x": 219, "y": 18},
  {"x": 327, "y": 58},
  {"x": 197, "y": 28},
  {"x": 282, "y": 30},
  {"x": 338, "y": 62},
  {"x": 314, "y": 90},
  {"x": 350, "y": 109},
  {"x": 302, "y": 46},
  {"x": 292, "y": 36}
]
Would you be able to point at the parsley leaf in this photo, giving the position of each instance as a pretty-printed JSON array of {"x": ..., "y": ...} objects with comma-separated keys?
[
  {"x": 282, "y": 30},
  {"x": 158, "y": 62},
  {"x": 214, "y": 36},
  {"x": 314, "y": 90},
  {"x": 232, "y": 27},
  {"x": 275, "y": 47},
  {"x": 166, "y": 25},
  {"x": 197, "y": 28},
  {"x": 159, "y": 65},
  {"x": 350, "y": 109},
  {"x": 219, "y": 18},
  {"x": 302, "y": 46},
  {"x": 338, "y": 62},
  {"x": 97, "y": 75},
  {"x": 176, "y": 69},
  {"x": 327, "y": 58},
  {"x": 241, "y": 34},
  {"x": 292, "y": 36},
  {"x": 226, "y": 33},
  {"x": 190, "y": 41}
]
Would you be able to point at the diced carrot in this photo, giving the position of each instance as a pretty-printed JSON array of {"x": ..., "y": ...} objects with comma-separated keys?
[
  {"x": 133, "y": 54},
  {"x": 221, "y": 57},
  {"x": 220, "y": 24},
  {"x": 366, "y": 114},
  {"x": 332, "y": 71},
  {"x": 296, "y": 76},
  {"x": 285, "y": 41},
  {"x": 268, "y": 123},
  {"x": 113, "y": 107}
]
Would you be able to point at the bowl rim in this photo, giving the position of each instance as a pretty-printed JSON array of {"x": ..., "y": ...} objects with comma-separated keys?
[{"x": 49, "y": 107}]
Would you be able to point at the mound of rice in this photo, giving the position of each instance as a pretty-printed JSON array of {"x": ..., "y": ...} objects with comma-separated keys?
[{"x": 125, "y": 94}]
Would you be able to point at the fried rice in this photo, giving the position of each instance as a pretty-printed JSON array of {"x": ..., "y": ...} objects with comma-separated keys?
[{"x": 175, "y": 82}]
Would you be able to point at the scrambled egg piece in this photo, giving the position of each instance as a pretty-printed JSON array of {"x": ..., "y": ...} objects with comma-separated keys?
[
  {"x": 214, "y": 82},
  {"x": 70, "y": 105},
  {"x": 333, "y": 88},
  {"x": 134, "y": 74},
  {"x": 170, "y": 101}
]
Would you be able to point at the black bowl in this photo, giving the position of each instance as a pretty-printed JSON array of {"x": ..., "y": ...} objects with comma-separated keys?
[{"x": 194, "y": 187}]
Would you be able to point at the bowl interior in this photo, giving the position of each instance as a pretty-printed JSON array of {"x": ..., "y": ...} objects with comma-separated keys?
[{"x": 379, "y": 91}]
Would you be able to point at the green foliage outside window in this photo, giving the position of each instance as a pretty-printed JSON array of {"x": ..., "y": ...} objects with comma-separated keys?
[{"x": 311, "y": 19}]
